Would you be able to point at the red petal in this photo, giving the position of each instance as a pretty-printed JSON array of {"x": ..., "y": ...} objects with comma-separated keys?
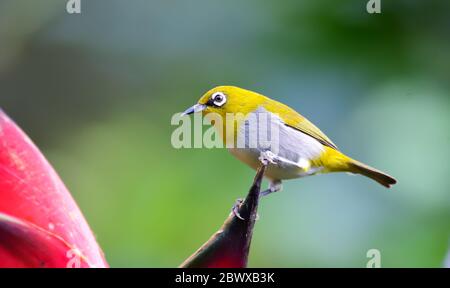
[
  {"x": 24, "y": 245},
  {"x": 32, "y": 192}
]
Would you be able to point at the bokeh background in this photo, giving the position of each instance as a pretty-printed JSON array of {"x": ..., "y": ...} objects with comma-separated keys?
[{"x": 96, "y": 92}]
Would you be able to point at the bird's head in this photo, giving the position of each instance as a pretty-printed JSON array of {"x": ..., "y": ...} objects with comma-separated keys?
[{"x": 227, "y": 99}]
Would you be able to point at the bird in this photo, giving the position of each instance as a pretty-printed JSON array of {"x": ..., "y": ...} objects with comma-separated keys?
[{"x": 301, "y": 150}]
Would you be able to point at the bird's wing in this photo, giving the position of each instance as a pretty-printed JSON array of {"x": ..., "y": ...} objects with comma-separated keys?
[{"x": 291, "y": 118}]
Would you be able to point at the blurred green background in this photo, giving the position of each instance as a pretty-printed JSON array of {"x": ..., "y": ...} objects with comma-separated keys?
[{"x": 96, "y": 92}]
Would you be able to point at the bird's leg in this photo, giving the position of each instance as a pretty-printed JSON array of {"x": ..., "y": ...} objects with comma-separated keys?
[
  {"x": 267, "y": 157},
  {"x": 274, "y": 186}
]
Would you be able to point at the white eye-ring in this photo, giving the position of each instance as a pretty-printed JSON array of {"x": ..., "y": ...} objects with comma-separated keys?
[{"x": 219, "y": 99}]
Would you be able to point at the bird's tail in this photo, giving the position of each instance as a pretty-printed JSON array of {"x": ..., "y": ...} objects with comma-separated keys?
[
  {"x": 375, "y": 174},
  {"x": 335, "y": 161}
]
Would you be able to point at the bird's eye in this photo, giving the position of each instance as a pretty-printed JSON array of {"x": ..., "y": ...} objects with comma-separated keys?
[{"x": 219, "y": 99}]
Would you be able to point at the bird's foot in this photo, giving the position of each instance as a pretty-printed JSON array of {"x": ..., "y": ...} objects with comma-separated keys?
[
  {"x": 235, "y": 209},
  {"x": 273, "y": 187},
  {"x": 267, "y": 157}
]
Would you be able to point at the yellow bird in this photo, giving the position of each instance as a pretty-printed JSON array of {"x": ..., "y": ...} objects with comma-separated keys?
[{"x": 302, "y": 149}]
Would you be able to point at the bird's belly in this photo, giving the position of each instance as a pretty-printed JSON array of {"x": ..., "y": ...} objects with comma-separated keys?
[
  {"x": 294, "y": 148},
  {"x": 279, "y": 171}
]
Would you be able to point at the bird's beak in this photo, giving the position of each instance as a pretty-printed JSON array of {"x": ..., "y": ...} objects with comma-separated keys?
[{"x": 194, "y": 109}]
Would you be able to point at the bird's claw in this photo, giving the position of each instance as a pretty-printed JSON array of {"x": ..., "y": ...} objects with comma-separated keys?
[
  {"x": 274, "y": 186},
  {"x": 267, "y": 157},
  {"x": 235, "y": 208}
]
